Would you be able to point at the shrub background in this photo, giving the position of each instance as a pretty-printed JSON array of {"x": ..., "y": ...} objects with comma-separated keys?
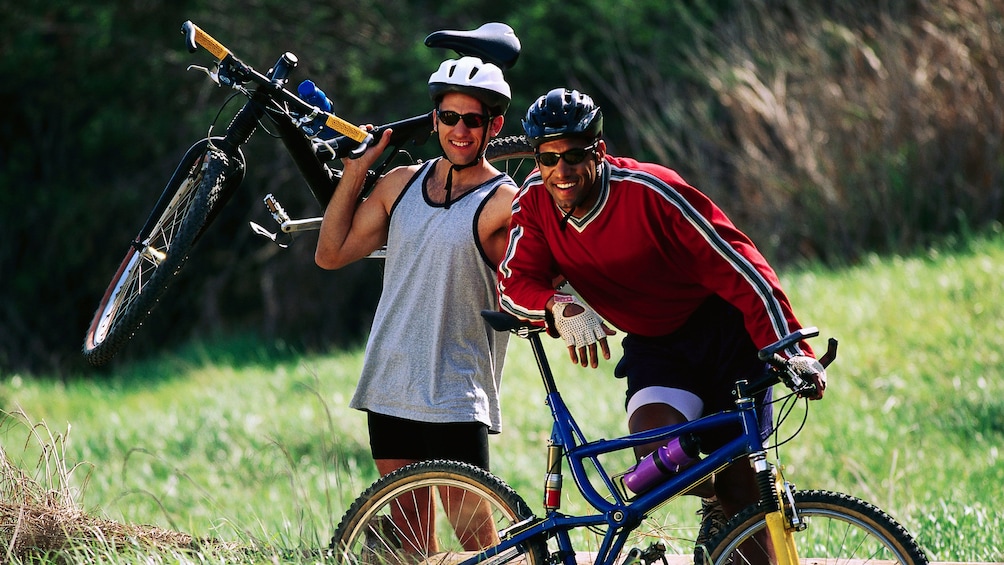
[{"x": 826, "y": 130}]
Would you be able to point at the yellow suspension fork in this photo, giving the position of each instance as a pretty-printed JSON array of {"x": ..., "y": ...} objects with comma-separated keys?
[{"x": 782, "y": 519}]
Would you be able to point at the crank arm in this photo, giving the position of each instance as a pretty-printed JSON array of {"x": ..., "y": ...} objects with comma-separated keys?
[{"x": 307, "y": 224}]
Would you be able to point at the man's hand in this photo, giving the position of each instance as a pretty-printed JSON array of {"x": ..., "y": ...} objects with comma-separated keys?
[
  {"x": 362, "y": 163},
  {"x": 581, "y": 328},
  {"x": 812, "y": 371}
]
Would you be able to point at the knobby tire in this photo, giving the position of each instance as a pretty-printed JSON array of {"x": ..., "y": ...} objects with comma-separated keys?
[
  {"x": 511, "y": 155},
  {"x": 151, "y": 263},
  {"x": 467, "y": 509},
  {"x": 841, "y": 529},
  {"x": 143, "y": 276}
]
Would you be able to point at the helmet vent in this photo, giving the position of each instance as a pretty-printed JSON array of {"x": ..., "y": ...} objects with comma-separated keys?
[{"x": 472, "y": 76}]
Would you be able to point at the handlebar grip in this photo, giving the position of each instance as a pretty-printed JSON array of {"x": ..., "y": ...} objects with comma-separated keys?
[
  {"x": 351, "y": 131},
  {"x": 194, "y": 37},
  {"x": 831, "y": 353}
]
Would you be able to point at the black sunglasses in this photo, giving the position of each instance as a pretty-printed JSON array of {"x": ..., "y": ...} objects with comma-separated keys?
[
  {"x": 572, "y": 156},
  {"x": 471, "y": 120}
]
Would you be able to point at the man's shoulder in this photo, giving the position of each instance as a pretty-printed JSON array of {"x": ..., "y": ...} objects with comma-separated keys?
[
  {"x": 392, "y": 184},
  {"x": 625, "y": 167},
  {"x": 532, "y": 190},
  {"x": 506, "y": 190}
]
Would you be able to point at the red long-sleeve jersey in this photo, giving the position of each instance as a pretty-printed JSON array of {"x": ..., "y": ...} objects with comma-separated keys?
[{"x": 650, "y": 251}]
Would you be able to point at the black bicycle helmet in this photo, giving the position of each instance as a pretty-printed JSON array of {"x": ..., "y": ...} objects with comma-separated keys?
[
  {"x": 474, "y": 77},
  {"x": 562, "y": 113}
]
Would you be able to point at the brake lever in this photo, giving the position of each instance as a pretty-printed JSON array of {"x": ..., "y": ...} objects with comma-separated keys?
[
  {"x": 362, "y": 147},
  {"x": 273, "y": 237},
  {"x": 213, "y": 76}
]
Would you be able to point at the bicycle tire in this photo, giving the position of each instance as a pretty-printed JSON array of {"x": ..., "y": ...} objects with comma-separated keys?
[
  {"x": 151, "y": 263},
  {"x": 839, "y": 526},
  {"x": 373, "y": 530},
  {"x": 512, "y": 155}
]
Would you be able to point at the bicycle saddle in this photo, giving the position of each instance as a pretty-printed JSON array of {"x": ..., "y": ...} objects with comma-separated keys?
[
  {"x": 493, "y": 42},
  {"x": 503, "y": 321}
]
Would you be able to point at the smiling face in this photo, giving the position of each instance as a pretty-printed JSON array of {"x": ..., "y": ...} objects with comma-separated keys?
[
  {"x": 572, "y": 185},
  {"x": 461, "y": 143}
]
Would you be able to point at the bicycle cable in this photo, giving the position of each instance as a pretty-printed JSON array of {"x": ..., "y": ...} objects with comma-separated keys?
[
  {"x": 219, "y": 113},
  {"x": 788, "y": 403}
]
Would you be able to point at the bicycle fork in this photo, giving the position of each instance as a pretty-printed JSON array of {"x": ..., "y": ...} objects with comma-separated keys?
[{"x": 781, "y": 516}]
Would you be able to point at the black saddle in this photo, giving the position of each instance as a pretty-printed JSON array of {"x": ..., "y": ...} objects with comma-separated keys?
[{"x": 493, "y": 42}]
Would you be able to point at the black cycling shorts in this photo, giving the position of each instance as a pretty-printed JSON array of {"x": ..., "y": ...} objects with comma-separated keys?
[
  {"x": 400, "y": 438},
  {"x": 706, "y": 356}
]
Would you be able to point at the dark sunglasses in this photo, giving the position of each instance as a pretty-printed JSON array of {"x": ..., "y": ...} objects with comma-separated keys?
[
  {"x": 572, "y": 156},
  {"x": 471, "y": 120}
]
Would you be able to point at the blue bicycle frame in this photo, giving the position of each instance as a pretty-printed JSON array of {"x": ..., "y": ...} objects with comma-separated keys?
[{"x": 622, "y": 514}]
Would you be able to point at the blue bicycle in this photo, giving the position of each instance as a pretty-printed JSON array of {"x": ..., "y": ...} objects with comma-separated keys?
[{"x": 449, "y": 512}]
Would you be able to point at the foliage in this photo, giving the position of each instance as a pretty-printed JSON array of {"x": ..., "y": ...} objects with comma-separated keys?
[{"x": 846, "y": 128}]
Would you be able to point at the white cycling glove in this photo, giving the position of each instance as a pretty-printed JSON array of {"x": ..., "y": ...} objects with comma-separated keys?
[
  {"x": 809, "y": 368},
  {"x": 578, "y": 330}
]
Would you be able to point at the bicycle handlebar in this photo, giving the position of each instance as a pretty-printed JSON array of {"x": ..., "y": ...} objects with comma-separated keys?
[
  {"x": 195, "y": 37},
  {"x": 779, "y": 372},
  {"x": 408, "y": 129}
]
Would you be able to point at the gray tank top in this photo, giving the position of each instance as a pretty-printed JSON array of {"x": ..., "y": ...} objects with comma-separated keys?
[{"x": 430, "y": 356}]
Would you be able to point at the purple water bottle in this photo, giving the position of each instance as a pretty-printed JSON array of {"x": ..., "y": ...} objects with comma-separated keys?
[
  {"x": 309, "y": 92},
  {"x": 668, "y": 459}
]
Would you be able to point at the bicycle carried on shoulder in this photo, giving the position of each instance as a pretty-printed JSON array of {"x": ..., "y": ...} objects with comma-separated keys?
[
  {"x": 212, "y": 169},
  {"x": 478, "y": 518}
]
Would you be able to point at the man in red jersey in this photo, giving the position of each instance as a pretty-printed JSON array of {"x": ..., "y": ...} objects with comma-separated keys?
[{"x": 658, "y": 260}]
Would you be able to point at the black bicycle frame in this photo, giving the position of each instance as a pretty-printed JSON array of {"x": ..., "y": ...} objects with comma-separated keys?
[{"x": 309, "y": 157}]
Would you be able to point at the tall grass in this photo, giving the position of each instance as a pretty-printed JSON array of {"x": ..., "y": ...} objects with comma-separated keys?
[
  {"x": 844, "y": 126},
  {"x": 255, "y": 446}
]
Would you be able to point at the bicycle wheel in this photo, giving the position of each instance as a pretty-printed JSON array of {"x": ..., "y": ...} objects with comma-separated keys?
[
  {"x": 511, "y": 155},
  {"x": 841, "y": 529},
  {"x": 432, "y": 512},
  {"x": 156, "y": 256}
]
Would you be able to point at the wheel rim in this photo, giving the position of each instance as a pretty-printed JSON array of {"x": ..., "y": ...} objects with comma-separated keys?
[
  {"x": 832, "y": 537},
  {"x": 410, "y": 526},
  {"x": 145, "y": 258}
]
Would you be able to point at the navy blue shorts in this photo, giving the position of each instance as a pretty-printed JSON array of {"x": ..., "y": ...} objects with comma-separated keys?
[
  {"x": 400, "y": 438},
  {"x": 706, "y": 357}
]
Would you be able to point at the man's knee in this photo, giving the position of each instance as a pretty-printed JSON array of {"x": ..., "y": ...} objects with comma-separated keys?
[{"x": 652, "y": 416}]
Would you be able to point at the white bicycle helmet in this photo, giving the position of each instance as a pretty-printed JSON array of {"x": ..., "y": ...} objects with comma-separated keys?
[{"x": 474, "y": 77}]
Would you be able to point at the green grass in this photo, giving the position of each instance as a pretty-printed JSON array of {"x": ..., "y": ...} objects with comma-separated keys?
[{"x": 238, "y": 441}]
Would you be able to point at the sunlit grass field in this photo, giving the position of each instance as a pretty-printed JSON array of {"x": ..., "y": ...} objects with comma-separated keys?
[{"x": 240, "y": 441}]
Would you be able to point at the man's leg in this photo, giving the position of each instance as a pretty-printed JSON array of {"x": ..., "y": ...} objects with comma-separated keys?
[
  {"x": 656, "y": 415},
  {"x": 413, "y": 515},
  {"x": 736, "y": 487}
]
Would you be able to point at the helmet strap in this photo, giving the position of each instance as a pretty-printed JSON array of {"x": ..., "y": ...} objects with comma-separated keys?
[{"x": 456, "y": 167}]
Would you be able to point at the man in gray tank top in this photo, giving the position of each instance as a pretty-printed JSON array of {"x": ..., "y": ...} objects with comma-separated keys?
[{"x": 431, "y": 375}]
